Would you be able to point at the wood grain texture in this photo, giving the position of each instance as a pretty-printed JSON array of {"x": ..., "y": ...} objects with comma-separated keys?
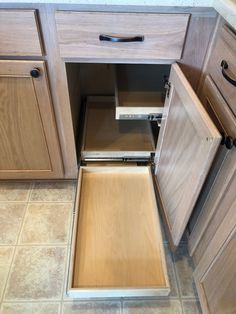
[
  {"x": 107, "y": 137},
  {"x": 28, "y": 137},
  {"x": 197, "y": 42},
  {"x": 78, "y": 35},
  {"x": 19, "y": 33},
  {"x": 189, "y": 141},
  {"x": 218, "y": 298},
  {"x": 60, "y": 92},
  {"x": 224, "y": 49},
  {"x": 221, "y": 298},
  {"x": 218, "y": 108},
  {"x": 118, "y": 243},
  {"x": 215, "y": 208},
  {"x": 212, "y": 211}
]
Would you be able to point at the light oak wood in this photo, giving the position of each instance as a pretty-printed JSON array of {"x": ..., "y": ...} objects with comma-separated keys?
[
  {"x": 224, "y": 49},
  {"x": 118, "y": 247},
  {"x": 106, "y": 137},
  {"x": 60, "y": 91},
  {"x": 212, "y": 212},
  {"x": 28, "y": 136},
  {"x": 204, "y": 72},
  {"x": 188, "y": 143},
  {"x": 214, "y": 102},
  {"x": 216, "y": 283},
  {"x": 19, "y": 33},
  {"x": 198, "y": 39},
  {"x": 78, "y": 35}
]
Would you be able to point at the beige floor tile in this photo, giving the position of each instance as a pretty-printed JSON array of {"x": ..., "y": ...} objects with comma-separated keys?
[
  {"x": 99, "y": 307},
  {"x": 152, "y": 307},
  {"x": 11, "y": 216},
  {"x": 6, "y": 254},
  {"x": 53, "y": 192},
  {"x": 171, "y": 272},
  {"x": 46, "y": 223},
  {"x": 30, "y": 308},
  {"x": 14, "y": 191},
  {"x": 191, "y": 307},
  {"x": 184, "y": 271},
  {"x": 36, "y": 273}
]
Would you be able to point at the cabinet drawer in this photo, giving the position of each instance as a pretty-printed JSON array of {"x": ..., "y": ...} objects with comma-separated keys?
[
  {"x": 117, "y": 247},
  {"x": 121, "y": 36},
  {"x": 19, "y": 33},
  {"x": 225, "y": 49}
]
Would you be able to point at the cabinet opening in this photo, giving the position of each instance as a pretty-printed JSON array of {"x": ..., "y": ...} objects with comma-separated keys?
[{"x": 116, "y": 109}]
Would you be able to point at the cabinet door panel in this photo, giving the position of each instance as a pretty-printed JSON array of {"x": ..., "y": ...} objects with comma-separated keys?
[
  {"x": 187, "y": 145},
  {"x": 216, "y": 277},
  {"x": 28, "y": 138}
]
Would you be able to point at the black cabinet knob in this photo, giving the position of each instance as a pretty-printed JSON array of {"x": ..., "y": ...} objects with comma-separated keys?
[
  {"x": 35, "y": 72},
  {"x": 229, "y": 142}
]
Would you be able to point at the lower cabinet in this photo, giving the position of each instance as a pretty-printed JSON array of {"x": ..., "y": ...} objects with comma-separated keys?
[
  {"x": 117, "y": 247},
  {"x": 28, "y": 135},
  {"x": 216, "y": 281}
]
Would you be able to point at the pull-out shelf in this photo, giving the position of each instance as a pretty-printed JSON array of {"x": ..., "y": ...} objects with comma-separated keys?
[
  {"x": 139, "y": 91},
  {"x": 107, "y": 138},
  {"x": 117, "y": 247}
]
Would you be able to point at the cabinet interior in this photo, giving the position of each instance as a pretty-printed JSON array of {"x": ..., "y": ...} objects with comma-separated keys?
[{"x": 94, "y": 91}]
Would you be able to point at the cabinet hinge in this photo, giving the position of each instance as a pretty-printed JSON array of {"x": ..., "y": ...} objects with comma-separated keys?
[{"x": 167, "y": 87}]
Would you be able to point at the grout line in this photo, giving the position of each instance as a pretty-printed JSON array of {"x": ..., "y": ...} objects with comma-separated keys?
[
  {"x": 14, "y": 253},
  {"x": 52, "y": 202},
  {"x": 122, "y": 305},
  {"x": 181, "y": 304},
  {"x": 64, "y": 244},
  {"x": 56, "y": 301},
  {"x": 67, "y": 263},
  {"x": 60, "y": 308},
  {"x": 176, "y": 275}
]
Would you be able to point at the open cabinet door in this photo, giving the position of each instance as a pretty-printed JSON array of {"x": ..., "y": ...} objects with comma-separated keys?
[{"x": 186, "y": 147}]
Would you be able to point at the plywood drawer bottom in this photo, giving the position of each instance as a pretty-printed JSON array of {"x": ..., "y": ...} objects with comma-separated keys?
[{"x": 117, "y": 247}]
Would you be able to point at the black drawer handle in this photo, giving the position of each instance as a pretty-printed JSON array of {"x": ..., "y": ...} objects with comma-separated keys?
[
  {"x": 225, "y": 66},
  {"x": 116, "y": 39}
]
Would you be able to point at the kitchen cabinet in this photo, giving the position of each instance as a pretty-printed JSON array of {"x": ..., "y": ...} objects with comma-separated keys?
[
  {"x": 29, "y": 142},
  {"x": 115, "y": 205},
  {"x": 193, "y": 144}
]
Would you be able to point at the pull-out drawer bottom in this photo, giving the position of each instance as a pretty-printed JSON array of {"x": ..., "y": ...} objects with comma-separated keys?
[{"x": 117, "y": 248}]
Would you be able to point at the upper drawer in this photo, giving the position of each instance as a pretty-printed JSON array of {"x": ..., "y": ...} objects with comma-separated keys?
[
  {"x": 19, "y": 34},
  {"x": 162, "y": 35},
  {"x": 225, "y": 49}
]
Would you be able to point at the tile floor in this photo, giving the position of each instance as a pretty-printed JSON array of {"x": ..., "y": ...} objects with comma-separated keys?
[{"x": 35, "y": 226}]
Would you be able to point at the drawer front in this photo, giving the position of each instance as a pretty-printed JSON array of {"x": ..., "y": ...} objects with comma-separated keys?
[
  {"x": 225, "y": 49},
  {"x": 162, "y": 35},
  {"x": 19, "y": 33}
]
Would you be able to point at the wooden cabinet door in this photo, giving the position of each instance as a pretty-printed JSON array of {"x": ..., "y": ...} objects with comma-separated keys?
[
  {"x": 216, "y": 283},
  {"x": 28, "y": 135},
  {"x": 187, "y": 144}
]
